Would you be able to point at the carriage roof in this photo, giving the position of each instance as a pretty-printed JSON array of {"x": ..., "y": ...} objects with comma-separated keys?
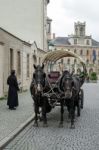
[{"x": 58, "y": 54}]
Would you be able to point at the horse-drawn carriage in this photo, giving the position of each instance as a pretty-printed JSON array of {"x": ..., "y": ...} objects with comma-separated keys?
[{"x": 57, "y": 88}]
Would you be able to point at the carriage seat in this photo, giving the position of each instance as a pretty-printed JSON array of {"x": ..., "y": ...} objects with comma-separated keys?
[{"x": 53, "y": 76}]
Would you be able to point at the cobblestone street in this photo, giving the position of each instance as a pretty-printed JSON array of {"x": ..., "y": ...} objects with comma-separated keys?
[
  {"x": 11, "y": 119},
  {"x": 85, "y": 136}
]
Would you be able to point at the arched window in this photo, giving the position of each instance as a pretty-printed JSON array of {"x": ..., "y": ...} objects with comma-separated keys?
[
  {"x": 81, "y": 31},
  {"x": 90, "y": 70},
  {"x": 87, "y": 61}
]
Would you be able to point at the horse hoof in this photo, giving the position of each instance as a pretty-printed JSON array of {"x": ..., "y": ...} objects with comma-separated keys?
[
  {"x": 45, "y": 125},
  {"x": 35, "y": 124},
  {"x": 72, "y": 127},
  {"x": 61, "y": 125}
]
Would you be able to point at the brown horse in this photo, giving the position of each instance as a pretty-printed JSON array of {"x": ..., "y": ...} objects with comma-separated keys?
[
  {"x": 70, "y": 87},
  {"x": 36, "y": 89}
]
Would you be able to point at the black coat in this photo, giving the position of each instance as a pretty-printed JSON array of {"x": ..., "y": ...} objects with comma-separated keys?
[{"x": 12, "y": 92}]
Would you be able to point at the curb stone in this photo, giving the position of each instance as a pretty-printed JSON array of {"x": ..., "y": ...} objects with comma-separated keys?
[{"x": 14, "y": 133}]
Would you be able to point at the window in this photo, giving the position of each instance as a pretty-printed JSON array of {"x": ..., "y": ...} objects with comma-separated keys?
[
  {"x": 75, "y": 41},
  {"x": 75, "y": 61},
  {"x": 87, "y": 61},
  {"x": 11, "y": 59},
  {"x": 18, "y": 63},
  {"x": 48, "y": 28},
  {"x": 87, "y": 42},
  {"x": 68, "y": 61},
  {"x": 87, "y": 53},
  {"x": 27, "y": 65},
  {"x": 74, "y": 50},
  {"x": 61, "y": 61},
  {"x": 76, "y": 30},
  {"x": 81, "y": 31},
  {"x": 81, "y": 52}
]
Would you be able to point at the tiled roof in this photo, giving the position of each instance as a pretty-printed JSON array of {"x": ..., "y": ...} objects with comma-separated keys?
[
  {"x": 59, "y": 41},
  {"x": 63, "y": 41},
  {"x": 95, "y": 43}
]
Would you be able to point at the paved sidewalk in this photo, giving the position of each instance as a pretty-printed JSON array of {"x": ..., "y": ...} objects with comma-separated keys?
[{"x": 11, "y": 121}]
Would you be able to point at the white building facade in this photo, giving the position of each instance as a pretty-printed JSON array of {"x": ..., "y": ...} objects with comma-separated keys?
[
  {"x": 25, "y": 19},
  {"x": 23, "y": 39}
]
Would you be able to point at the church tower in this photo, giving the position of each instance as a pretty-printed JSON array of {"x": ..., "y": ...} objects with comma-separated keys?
[{"x": 79, "y": 29}]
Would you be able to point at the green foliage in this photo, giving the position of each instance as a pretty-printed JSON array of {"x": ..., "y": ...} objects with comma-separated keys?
[
  {"x": 2, "y": 98},
  {"x": 93, "y": 76}
]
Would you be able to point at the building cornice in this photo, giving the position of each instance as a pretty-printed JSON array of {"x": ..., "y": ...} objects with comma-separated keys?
[{"x": 76, "y": 46}]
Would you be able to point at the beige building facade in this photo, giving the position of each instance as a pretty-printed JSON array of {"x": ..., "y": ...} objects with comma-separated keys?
[
  {"x": 80, "y": 43},
  {"x": 19, "y": 55}
]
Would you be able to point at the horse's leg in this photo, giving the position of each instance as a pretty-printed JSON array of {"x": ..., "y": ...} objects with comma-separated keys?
[
  {"x": 69, "y": 115},
  {"x": 78, "y": 107},
  {"x": 44, "y": 112},
  {"x": 62, "y": 111},
  {"x": 72, "y": 112},
  {"x": 40, "y": 115},
  {"x": 36, "y": 109}
]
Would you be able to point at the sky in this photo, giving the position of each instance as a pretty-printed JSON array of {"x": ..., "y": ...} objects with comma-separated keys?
[{"x": 65, "y": 12}]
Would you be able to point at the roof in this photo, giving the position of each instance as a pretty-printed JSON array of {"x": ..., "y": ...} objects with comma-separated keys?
[
  {"x": 95, "y": 43},
  {"x": 60, "y": 41},
  {"x": 63, "y": 41},
  {"x": 27, "y": 43},
  {"x": 58, "y": 54}
]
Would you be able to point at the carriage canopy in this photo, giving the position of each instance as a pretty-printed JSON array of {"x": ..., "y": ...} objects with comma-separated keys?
[{"x": 56, "y": 55}]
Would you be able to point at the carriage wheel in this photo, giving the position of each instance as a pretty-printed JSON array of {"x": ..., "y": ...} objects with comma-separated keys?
[{"x": 82, "y": 98}]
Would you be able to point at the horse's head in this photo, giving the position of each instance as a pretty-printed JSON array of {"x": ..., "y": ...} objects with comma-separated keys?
[
  {"x": 67, "y": 84},
  {"x": 39, "y": 78}
]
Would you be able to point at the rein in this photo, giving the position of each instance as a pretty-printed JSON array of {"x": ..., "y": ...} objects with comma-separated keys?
[{"x": 51, "y": 89}]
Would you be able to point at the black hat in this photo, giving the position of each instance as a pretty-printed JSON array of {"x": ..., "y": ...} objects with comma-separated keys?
[{"x": 12, "y": 72}]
